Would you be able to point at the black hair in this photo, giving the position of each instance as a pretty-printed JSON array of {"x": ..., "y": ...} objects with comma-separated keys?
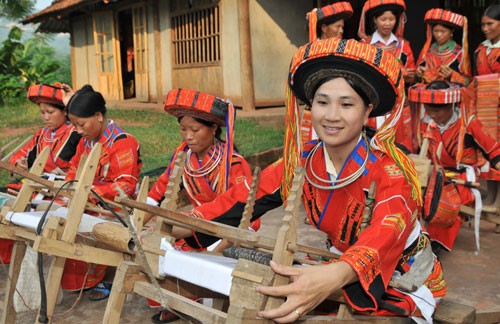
[
  {"x": 354, "y": 85},
  {"x": 493, "y": 12},
  {"x": 377, "y": 12},
  {"x": 86, "y": 103},
  {"x": 438, "y": 85}
]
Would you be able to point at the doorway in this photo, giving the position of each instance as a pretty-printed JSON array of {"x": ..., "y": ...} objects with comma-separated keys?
[{"x": 126, "y": 36}]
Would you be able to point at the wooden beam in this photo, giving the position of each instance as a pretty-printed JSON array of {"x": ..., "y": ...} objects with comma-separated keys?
[
  {"x": 158, "y": 54},
  {"x": 9, "y": 313},
  {"x": 247, "y": 81},
  {"x": 77, "y": 251},
  {"x": 181, "y": 304},
  {"x": 233, "y": 234}
]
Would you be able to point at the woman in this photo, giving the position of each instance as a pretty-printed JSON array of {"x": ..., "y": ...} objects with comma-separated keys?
[
  {"x": 116, "y": 175},
  {"x": 342, "y": 80},
  {"x": 58, "y": 134},
  {"x": 444, "y": 59},
  {"x": 216, "y": 178},
  {"x": 463, "y": 142},
  {"x": 384, "y": 21},
  {"x": 486, "y": 56},
  {"x": 328, "y": 21}
]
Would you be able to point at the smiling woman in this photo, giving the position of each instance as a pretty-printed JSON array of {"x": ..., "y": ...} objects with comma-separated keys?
[{"x": 376, "y": 231}]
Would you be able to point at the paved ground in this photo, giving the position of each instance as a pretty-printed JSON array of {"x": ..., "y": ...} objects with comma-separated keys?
[{"x": 472, "y": 280}]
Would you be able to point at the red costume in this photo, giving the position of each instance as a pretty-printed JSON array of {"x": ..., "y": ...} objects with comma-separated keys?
[
  {"x": 62, "y": 143},
  {"x": 462, "y": 139},
  {"x": 486, "y": 61},
  {"x": 119, "y": 164},
  {"x": 226, "y": 207},
  {"x": 389, "y": 243},
  {"x": 475, "y": 140},
  {"x": 117, "y": 175},
  {"x": 450, "y": 54},
  {"x": 392, "y": 241}
]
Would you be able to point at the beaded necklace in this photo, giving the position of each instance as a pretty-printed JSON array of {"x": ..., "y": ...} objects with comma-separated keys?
[
  {"x": 216, "y": 153},
  {"x": 337, "y": 183}
]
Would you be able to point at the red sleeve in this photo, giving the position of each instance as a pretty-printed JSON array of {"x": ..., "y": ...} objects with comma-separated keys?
[
  {"x": 487, "y": 144},
  {"x": 410, "y": 60},
  {"x": 158, "y": 190},
  {"x": 123, "y": 170},
  {"x": 240, "y": 179},
  {"x": 24, "y": 151},
  {"x": 379, "y": 247},
  {"x": 75, "y": 160}
]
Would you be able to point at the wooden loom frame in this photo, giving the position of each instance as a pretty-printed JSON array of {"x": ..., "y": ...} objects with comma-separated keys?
[
  {"x": 58, "y": 237},
  {"x": 244, "y": 301}
]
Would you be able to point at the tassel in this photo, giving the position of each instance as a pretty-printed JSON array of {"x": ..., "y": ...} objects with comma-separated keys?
[
  {"x": 292, "y": 147},
  {"x": 384, "y": 142},
  {"x": 313, "y": 20}
]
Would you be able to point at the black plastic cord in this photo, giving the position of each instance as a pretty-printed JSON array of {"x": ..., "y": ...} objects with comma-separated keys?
[
  {"x": 42, "y": 318},
  {"x": 109, "y": 208}
]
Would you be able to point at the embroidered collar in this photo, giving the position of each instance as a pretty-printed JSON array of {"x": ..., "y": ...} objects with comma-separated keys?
[
  {"x": 449, "y": 46},
  {"x": 489, "y": 45}
]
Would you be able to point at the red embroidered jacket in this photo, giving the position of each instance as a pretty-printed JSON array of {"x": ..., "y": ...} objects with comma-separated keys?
[
  {"x": 392, "y": 238},
  {"x": 119, "y": 163},
  {"x": 475, "y": 140},
  {"x": 452, "y": 58},
  {"x": 225, "y": 208},
  {"x": 62, "y": 143},
  {"x": 486, "y": 63}
]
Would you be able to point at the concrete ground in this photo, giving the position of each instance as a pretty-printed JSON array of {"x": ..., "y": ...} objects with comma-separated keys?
[{"x": 472, "y": 280}]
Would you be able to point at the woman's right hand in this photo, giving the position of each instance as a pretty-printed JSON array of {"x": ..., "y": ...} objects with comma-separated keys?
[
  {"x": 67, "y": 93},
  {"x": 22, "y": 163}
]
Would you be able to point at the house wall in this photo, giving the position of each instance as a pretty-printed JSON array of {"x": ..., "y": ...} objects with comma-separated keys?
[
  {"x": 83, "y": 54},
  {"x": 166, "y": 40},
  {"x": 278, "y": 29},
  {"x": 230, "y": 51},
  {"x": 153, "y": 95}
]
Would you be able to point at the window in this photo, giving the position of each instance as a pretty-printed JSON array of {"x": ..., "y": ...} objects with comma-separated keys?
[{"x": 196, "y": 37}]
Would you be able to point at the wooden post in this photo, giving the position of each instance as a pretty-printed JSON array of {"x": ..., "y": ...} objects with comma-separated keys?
[
  {"x": 247, "y": 84},
  {"x": 157, "y": 40},
  {"x": 9, "y": 313}
]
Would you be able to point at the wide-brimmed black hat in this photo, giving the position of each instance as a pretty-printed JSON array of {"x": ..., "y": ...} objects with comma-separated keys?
[{"x": 377, "y": 72}]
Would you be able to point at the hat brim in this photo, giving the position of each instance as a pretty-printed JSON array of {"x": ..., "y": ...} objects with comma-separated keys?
[
  {"x": 386, "y": 92},
  {"x": 346, "y": 15},
  {"x": 179, "y": 111},
  {"x": 393, "y": 7}
]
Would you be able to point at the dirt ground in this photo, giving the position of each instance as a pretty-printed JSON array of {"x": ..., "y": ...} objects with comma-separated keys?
[{"x": 472, "y": 280}]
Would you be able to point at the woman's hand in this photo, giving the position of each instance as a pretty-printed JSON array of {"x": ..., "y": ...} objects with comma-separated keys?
[
  {"x": 308, "y": 287},
  {"x": 497, "y": 166},
  {"x": 445, "y": 72},
  {"x": 67, "y": 93},
  {"x": 22, "y": 163},
  {"x": 420, "y": 71}
]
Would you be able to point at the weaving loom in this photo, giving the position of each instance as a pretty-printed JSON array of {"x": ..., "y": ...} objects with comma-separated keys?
[
  {"x": 59, "y": 236},
  {"x": 236, "y": 280}
]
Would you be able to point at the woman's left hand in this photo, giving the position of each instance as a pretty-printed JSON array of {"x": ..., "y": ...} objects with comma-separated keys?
[
  {"x": 309, "y": 286},
  {"x": 445, "y": 72}
]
